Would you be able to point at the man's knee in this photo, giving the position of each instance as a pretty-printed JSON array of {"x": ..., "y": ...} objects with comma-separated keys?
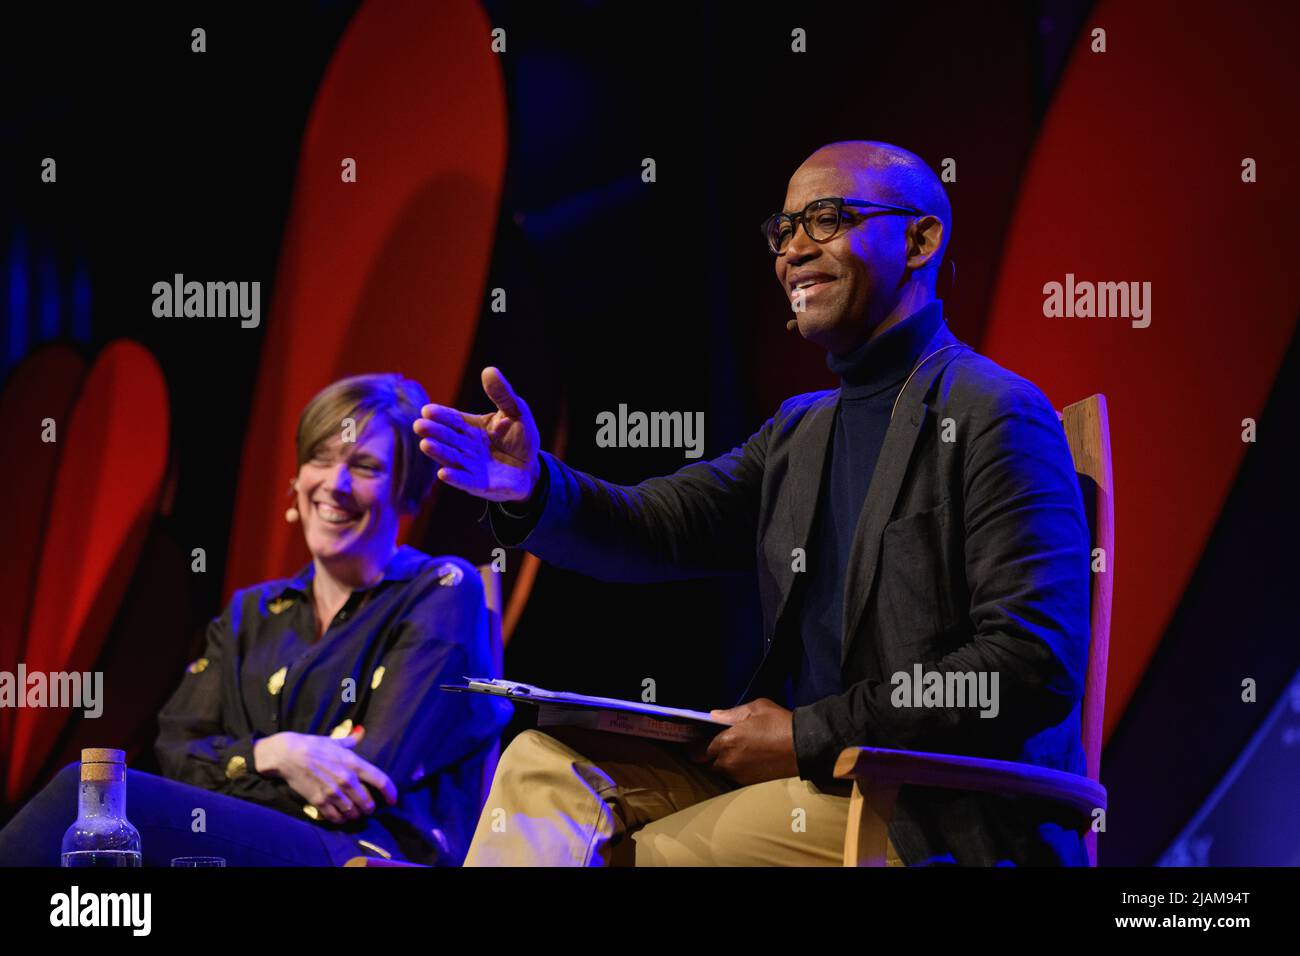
[
  {"x": 775, "y": 823},
  {"x": 655, "y": 845},
  {"x": 693, "y": 839},
  {"x": 526, "y": 746},
  {"x": 531, "y": 753}
]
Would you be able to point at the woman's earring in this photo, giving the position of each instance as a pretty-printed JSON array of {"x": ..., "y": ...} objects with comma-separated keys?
[{"x": 292, "y": 515}]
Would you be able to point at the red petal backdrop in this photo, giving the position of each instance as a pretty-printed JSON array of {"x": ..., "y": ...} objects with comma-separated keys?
[
  {"x": 112, "y": 454},
  {"x": 1136, "y": 176},
  {"x": 387, "y": 273}
]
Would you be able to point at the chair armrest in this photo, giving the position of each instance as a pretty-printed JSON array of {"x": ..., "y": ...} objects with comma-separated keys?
[{"x": 877, "y": 767}]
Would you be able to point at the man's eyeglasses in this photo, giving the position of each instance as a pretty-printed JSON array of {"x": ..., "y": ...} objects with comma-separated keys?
[{"x": 821, "y": 218}]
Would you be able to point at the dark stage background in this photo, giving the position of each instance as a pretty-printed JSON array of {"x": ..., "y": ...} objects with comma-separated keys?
[{"x": 661, "y": 296}]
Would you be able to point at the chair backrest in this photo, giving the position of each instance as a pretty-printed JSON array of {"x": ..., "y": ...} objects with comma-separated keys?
[
  {"x": 492, "y": 598},
  {"x": 1087, "y": 432}
]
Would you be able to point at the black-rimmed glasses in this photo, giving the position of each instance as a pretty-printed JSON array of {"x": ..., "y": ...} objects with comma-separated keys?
[{"x": 821, "y": 218}]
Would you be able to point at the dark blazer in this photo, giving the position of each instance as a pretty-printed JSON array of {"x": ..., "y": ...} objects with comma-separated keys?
[{"x": 971, "y": 554}]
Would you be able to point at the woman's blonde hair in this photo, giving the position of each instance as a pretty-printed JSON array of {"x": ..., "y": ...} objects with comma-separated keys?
[{"x": 394, "y": 399}]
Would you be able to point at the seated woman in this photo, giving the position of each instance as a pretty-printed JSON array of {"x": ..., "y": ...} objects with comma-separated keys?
[{"x": 312, "y": 729}]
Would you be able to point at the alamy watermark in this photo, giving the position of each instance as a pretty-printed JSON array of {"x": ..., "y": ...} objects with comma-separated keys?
[
  {"x": 1085, "y": 300},
  {"x": 57, "y": 689},
  {"x": 626, "y": 429},
  {"x": 946, "y": 689},
  {"x": 75, "y": 908},
  {"x": 208, "y": 300}
]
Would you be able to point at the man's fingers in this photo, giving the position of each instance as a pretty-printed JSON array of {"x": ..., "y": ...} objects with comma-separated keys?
[
  {"x": 444, "y": 454},
  {"x": 698, "y": 751},
  {"x": 461, "y": 480},
  {"x": 439, "y": 432},
  {"x": 717, "y": 745},
  {"x": 500, "y": 392},
  {"x": 731, "y": 715},
  {"x": 451, "y": 418}
]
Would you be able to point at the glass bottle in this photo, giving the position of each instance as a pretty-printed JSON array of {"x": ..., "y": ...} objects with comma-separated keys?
[{"x": 101, "y": 835}]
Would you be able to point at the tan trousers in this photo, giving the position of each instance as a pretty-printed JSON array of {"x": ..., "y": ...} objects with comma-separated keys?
[{"x": 573, "y": 797}]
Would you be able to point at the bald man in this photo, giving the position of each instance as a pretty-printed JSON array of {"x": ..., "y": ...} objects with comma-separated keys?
[{"x": 920, "y": 524}]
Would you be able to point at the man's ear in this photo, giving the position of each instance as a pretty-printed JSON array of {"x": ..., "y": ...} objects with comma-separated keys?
[{"x": 924, "y": 240}]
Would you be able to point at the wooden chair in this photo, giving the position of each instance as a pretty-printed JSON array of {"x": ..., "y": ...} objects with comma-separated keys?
[
  {"x": 878, "y": 773},
  {"x": 492, "y": 598}
]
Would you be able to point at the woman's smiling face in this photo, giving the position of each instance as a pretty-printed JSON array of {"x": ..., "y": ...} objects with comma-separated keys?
[{"x": 345, "y": 498}]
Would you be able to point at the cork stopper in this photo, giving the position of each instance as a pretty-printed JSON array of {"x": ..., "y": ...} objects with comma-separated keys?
[
  {"x": 102, "y": 764},
  {"x": 102, "y": 755}
]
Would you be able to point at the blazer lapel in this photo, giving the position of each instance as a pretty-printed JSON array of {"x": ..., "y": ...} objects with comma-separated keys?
[
  {"x": 808, "y": 450},
  {"x": 887, "y": 481}
]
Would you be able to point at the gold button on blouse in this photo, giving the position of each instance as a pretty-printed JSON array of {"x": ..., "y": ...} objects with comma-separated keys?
[
  {"x": 378, "y": 676},
  {"x": 236, "y": 767},
  {"x": 449, "y": 575},
  {"x": 198, "y": 666},
  {"x": 342, "y": 730},
  {"x": 375, "y": 848},
  {"x": 277, "y": 681},
  {"x": 311, "y": 812}
]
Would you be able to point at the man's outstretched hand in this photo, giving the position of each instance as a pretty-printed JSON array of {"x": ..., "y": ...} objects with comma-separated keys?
[{"x": 494, "y": 455}]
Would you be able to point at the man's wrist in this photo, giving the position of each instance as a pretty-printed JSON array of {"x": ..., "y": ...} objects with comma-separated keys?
[
  {"x": 527, "y": 507},
  {"x": 813, "y": 742},
  {"x": 515, "y": 509}
]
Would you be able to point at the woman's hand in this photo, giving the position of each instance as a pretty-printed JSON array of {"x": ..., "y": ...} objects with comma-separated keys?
[
  {"x": 492, "y": 456},
  {"x": 325, "y": 772}
]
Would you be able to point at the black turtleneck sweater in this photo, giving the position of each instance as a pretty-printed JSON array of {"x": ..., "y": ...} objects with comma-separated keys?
[{"x": 871, "y": 377}]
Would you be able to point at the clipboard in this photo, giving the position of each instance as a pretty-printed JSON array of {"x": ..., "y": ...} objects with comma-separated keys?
[{"x": 563, "y": 708}]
